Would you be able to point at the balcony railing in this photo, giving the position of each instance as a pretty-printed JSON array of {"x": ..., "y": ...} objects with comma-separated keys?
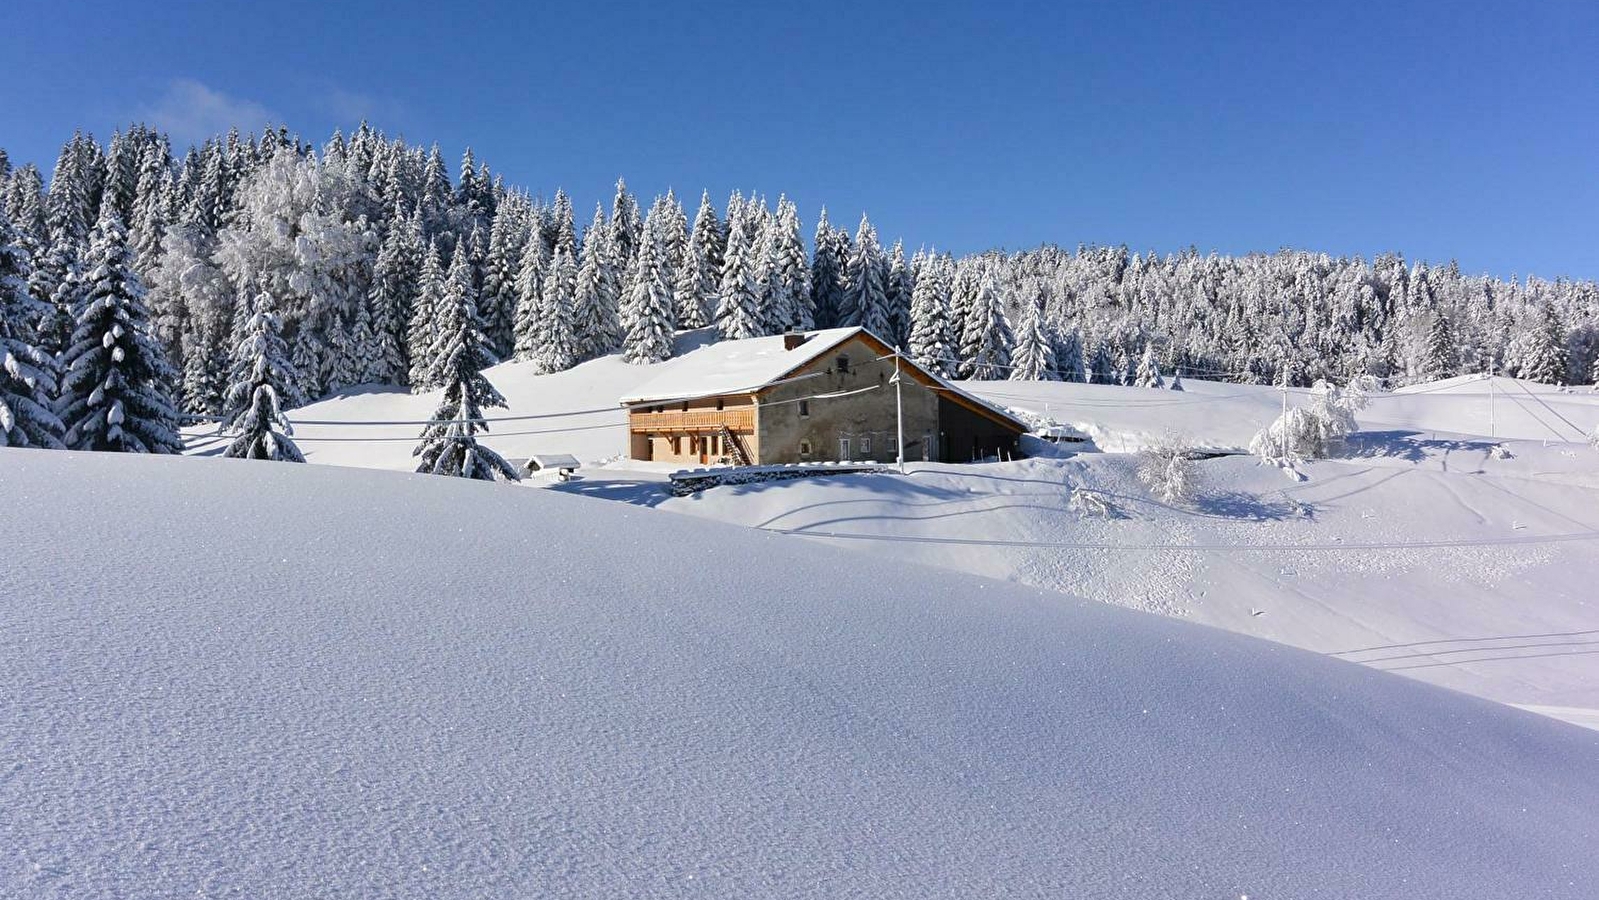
[{"x": 737, "y": 418}]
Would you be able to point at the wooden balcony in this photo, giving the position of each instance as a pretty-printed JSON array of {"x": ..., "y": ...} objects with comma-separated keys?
[{"x": 738, "y": 418}]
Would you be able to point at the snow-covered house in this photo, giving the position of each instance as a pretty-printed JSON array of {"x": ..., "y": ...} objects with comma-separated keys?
[{"x": 819, "y": 396}]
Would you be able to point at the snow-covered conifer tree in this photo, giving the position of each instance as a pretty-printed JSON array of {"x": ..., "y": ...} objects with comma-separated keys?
[
  {"x": 774, "y": 305},
  {"x": 115, "y": 390},
  {"x": 1148, "y": 374},
  {"x": 649, "y": 334},
  {"x": 897, "y": 287},
  {"x": 931, "y": 345},
  {"x": 694, "y": 284},
  {"x": 1545, "y": 356},
  {"x": 738, "y": 314},
  {"x": 792, "y": 269},
  {"x": 531, "y": 310},
  {"x": 1069, "y": 357},
  {"x": 343, "y": 364},
  {"x": 395, "y": 278},
  {"x": 1440, "y": 355},
  {"x": 449, "y": 445},
  {"x": 711, "y": 238},
  {"x": 986, "y": 344},
  {"x": 829, "y": 260},
  {"x": 557, "y": 348},
  {"x": 594, "y": 316},
  {"x": 261, "y": 384},
  {"x": 866, "y": 300},
  {"x": 27, "y": 374},
  {"x": 419, "y": 335},
  {"x": 1034, "y": 359}
]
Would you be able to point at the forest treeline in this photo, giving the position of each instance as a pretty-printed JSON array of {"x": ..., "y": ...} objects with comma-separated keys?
[{"x": 366, "y": 248}]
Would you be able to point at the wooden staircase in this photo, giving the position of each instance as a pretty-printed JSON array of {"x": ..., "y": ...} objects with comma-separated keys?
[{"x": 731, "y": 441}]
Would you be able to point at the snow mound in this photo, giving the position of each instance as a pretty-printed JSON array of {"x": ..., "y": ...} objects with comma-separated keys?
[{"x": 273, "y": 681}]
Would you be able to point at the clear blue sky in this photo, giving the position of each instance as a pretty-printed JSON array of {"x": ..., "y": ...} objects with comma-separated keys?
[{"x": 1462, "y": 129}]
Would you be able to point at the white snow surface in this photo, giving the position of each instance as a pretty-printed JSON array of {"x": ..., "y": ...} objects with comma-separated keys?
[{"x": 228, "y": 678}]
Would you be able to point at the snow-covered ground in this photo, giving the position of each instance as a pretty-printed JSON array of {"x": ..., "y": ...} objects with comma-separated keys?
[
  {"x": 373, "y": 684},
  {"x": 1423, "y": 552}
]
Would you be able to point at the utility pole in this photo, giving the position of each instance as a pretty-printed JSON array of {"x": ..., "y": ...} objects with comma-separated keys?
[
  {"x": 1493, "y": 419},
  {"x": 899, "y": 413},
  {"x": 1284, "y": 420}
]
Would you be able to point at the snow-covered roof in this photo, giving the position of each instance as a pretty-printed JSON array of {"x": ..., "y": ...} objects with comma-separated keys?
[
  {"x": 731, "y": 367},
  {"x": 546, "y": 461}
]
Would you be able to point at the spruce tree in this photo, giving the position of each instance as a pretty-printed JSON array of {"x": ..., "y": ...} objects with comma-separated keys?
[
  {"x": 557, "y": 348},
  {"x": 866, "y": 300},
  {"x": 114, "y": 394},
  {"x": 306, "y": 362},
  {"x": 625, "y": 229},
  {"x": 497, "y": 298},
  {"x": 792, "y": 269},
  {"x": 897, "y": 287},
  {"x": 261, "y": 382},
  {"x": 986, "y": 344},
  {"x": 1069, "y": 361},
  {"x": 1545, "y": 359},
  {"x": 1034, "y": 359},
  {"x": 343, "y": 363},
  {"x": 828, "y": 261},
  {"x": 1440, "y": 356},
  {"x": 773, "y": 303},
  {"x": 1148, "y": 372},
  {"x": 649, "y": 334},
  {"x": 710, "y": 237},
  {"x": 448, "y": 446},
  {"x": 694, "y": 286},
  {"x": 459, "y": 294},
  {"x": 395, "y": 278},
  {"x": 530, "y": 307},
  {"x": 419, "y": 334},
  {"x": 931, "y": 346},
  {"x": 27, "y": 374},
  {"x": 594, "y": 316},
  {"x": 738, "y": 314}
]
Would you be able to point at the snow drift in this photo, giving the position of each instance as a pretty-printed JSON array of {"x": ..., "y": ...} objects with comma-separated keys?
[{"x": 232, "y": 678}]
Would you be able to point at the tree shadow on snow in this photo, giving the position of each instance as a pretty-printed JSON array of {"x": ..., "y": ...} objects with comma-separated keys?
[
  {"x": 1408, "y": 445},
  {"x": 1252, "y": 507}
]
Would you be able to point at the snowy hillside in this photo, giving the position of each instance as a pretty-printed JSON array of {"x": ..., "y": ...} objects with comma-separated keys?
[
  {"x": 1438, "y": 562},
  {"x": 1511, "y": 622},
  {"x": 374, "y": 684}
]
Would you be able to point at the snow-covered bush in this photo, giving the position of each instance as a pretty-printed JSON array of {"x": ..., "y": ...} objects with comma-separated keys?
[
  {"x": 1317, "y": 430},
  {"x": 1092, "y": 503},
  {"x": 1166, "y": 467}
]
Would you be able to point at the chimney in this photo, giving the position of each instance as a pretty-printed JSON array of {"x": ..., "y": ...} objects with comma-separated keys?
[{"x": 793, "y": 339}]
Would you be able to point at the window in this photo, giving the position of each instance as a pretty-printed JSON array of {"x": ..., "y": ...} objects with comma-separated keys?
[
  {"x": 805, "y": 449},
  {"x": 866, "y": 446},
  {"x": 843, "y": 449},
  {"x": 685, "y": 406},
  {"x": 719, "y": 402},
  {"x": 805, "y": 409},
  {"x": 843, "y": 365}
]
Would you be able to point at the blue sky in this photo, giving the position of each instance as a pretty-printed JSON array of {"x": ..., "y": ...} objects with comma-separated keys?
[{"x": 1465, "y": 130}]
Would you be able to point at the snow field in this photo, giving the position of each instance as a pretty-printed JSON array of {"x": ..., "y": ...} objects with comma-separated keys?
[{"x": 372, "y": 684}]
